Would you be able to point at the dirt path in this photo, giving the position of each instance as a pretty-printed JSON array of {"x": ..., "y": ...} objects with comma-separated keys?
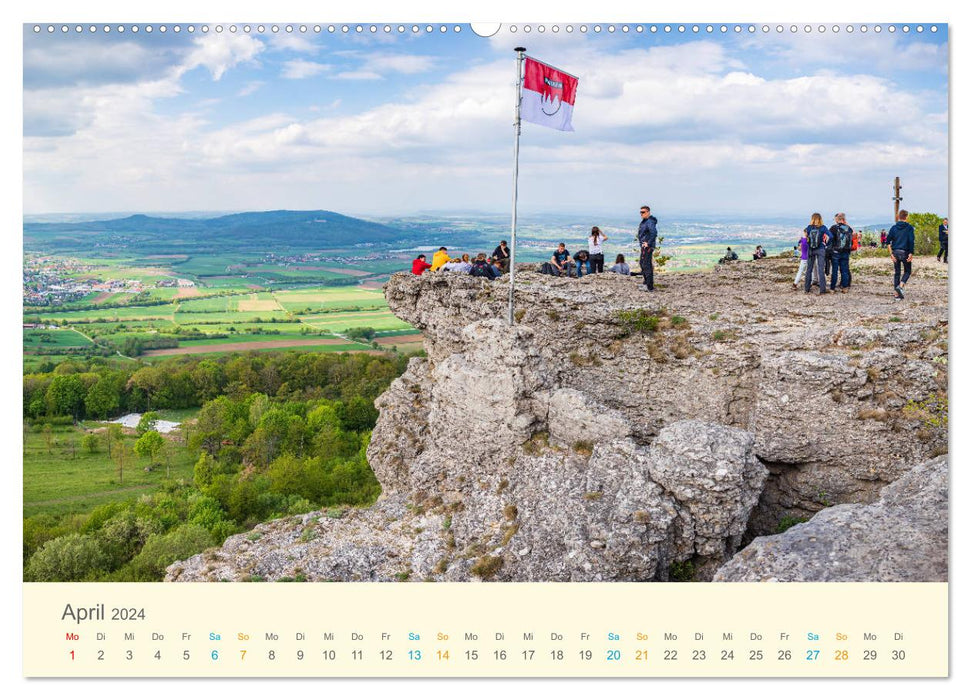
[{"x": 80, "y": 497}]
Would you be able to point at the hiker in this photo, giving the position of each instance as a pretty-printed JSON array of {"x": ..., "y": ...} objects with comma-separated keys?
[
  {"x": 582, "y": 259},
  {"x": 453, "y": 265},
  {"x": 817, "y": 236},
  {"x": 501, "y": 257},
  {"x": 418, "y": 265},
  {"x": 759, "y": 253},
  {"x": 942, "y": 238},
  {"x": 730, "y": 255},
  {"x": 647, "y": 237},
  {"x": 883, "y": 237},
  {"x": 842, "y": 243},
  {"x": 560, "y": 261},
  {"x": 439, "y": 258},
  {"x": 495, "y": 266},
  {"x": 595, "y": 243},
  {"x": 829, "y": 257},
  {"x": 483, "y": 268},
  {"x": 803, "y": 254},
  {"x": 900, "y": 240},
  {"x": 620, "y": 266}
]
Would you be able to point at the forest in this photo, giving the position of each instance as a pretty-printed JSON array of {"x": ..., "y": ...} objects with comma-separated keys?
[{"x": 262, "y": 447}]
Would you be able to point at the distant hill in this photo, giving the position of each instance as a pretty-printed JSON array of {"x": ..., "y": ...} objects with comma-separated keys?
[{"x": 249, "y": 231}]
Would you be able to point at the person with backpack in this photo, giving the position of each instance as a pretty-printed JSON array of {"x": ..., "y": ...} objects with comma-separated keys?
[
  {"x": 803, "y": 260},
  {"x": 483, "y": 268},
  {"x": 620, "y": 266},
  {"x": 759, "y": 253},
  {"x": 942, "y": 239},
  {"x": 595, "y": 244},
  {"x": 900, "y": 240},
  {"x": 647, "y": 237},
  {"x": 817, "y": 238},
  {"x": 842, "y": 243},
  {"x": 729, "y": 256}
]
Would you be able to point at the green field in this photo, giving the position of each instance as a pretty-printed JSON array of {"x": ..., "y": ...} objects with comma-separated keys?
[
  {"x": 39, "y": 340},
  {"x": 228, "y": 305},
  {"x": 64, "y": 478}
]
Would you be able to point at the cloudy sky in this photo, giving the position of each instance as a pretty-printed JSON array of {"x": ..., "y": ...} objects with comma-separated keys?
[{"x": 734, "y": 124}]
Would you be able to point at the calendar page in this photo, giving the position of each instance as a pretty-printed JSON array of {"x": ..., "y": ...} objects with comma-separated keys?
[{"x": 460, "y": 350}]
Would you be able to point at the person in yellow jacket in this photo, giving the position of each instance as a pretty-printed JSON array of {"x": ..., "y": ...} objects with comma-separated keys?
[{"x": 440, "y": 258}]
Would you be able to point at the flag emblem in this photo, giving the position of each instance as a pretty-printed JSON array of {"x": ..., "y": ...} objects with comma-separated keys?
[{"x": 548, "y": 96}]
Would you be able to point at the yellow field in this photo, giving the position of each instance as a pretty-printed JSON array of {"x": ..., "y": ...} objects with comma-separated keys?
[{"x": 255, "y": 304}]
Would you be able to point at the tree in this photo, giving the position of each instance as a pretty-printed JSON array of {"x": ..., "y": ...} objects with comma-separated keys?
[
  {"x": 102, "y": 399},
  {"x": 48, "y": 436},
  {"x": 925, "y": 232},
  {"x": 150, "y": 445},
  {"x": 65, "y": 396},
  {"x": 146, "y": 422},
  {"x": 114, "y": 436},
  {"x": 90, "y": 443},
  {"x": 122, "y": 458}
]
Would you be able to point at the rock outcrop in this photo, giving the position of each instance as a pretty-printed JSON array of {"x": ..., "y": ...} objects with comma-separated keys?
[
  {"x": 900, "y": 537},
  {"x": 613, "y": 434}
]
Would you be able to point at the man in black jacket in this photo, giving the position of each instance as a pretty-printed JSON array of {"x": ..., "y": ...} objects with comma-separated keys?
[
  {"x": 942, "y": 238},
  {"x": 841, "y": 243},
  {"x": 900, "y": 240},
  {"x": 647, "y": 237},
  {"x": 501, "y": 257}
]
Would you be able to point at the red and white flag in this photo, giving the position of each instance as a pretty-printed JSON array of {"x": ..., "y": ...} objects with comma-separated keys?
[{"x": 548, "y": 96}]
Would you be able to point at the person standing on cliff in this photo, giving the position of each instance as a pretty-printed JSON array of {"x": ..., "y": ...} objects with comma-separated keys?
[
  {"x": 842, "y": 244},
  {"x": 647, "y": 237},
  {"x": 900, "y": 240},
  {"x": 817, "y": 235},
  {"x": 942, "y": 239}
]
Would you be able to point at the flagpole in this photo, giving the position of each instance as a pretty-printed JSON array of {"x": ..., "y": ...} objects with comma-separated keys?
[{"x": 520, "y": 52}]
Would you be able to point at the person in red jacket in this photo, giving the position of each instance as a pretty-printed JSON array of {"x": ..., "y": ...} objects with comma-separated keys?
[{"x": 418, "y": 265}]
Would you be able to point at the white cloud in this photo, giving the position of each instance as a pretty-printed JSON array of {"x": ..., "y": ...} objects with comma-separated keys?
[
  {"x": 220, "y": 52},
  {"x": 299, "y": 68},
  {"x": 250, "y": 88},
  {"x": 359, "y": 75}
]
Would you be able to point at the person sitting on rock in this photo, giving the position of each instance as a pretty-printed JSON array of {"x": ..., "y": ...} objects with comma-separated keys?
[
  {"x": 482, "y": 268},
  {"x": 453, "y": 265},
  {"x": 730, "y": 256},
  {"x": 620, "y": 266},
  {"x": 561, "y": 260},
  {"x": 418, "y": 265},
  {"x": 582, "y": 259},
  {"x": 500, "y": 257},
  {"x": 759, "y": 253},
  {"x": 440, "y": 258}
]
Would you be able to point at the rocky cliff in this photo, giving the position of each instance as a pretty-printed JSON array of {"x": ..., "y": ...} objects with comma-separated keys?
[{"x": 613, "y": 434}]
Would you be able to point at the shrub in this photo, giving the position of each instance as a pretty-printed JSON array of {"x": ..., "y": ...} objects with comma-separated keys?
[
  {"x": 486, "y": 566},
  {"x": 637, "y": 321},
  {"x": 681, "y": 571},
  {"x": 788, "y": 521},
  {"x": 161, "y": 550},
  {"x": 72, "y": 557}
]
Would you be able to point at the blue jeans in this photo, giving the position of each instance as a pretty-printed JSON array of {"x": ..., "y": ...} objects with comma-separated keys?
[
  {"x": 841, "y": 269},
  {"x": 583, "y": 267}
]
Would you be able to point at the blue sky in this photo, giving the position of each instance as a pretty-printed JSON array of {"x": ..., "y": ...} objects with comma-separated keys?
[{"x": 743, "y": 124}]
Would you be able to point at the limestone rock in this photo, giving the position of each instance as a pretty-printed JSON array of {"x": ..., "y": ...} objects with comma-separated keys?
[{"x": 900, "y": 537}]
